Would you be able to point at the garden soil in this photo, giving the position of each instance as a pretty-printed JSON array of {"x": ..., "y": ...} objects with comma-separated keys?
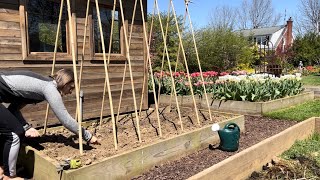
[{"x": 60, "y": 144}]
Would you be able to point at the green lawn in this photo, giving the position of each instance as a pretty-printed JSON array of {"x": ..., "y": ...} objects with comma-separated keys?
[
  {"x": 311, "y": 80},
  {"x": 299, "y": 112}
]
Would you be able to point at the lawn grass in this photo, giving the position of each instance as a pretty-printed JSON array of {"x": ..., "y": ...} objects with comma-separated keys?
[
  {"x": 309, "y": 148},
  {"x": 298, "y": 113},
  {"x": 311, "y": 80}
]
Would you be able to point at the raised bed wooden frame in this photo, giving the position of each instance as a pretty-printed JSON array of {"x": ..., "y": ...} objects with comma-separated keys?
[
  {"x": 127, "y": 164},
  {"x": 241, "y": 165},
  {"x": 241, "y": 107}
]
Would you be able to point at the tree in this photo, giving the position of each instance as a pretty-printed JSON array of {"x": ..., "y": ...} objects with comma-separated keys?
[
  {"x": 309, "y": 16},
  {"x": 257, "y": 14},
  {"x": 306, "y": 48},
  {"x": 223, "y": 17},
  {"x": 172, "y": 40},
  {"x": 221, "y": 49}
]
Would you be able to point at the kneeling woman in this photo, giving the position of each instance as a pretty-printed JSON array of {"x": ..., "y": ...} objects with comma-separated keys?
[{"x": 20, "y": 88}]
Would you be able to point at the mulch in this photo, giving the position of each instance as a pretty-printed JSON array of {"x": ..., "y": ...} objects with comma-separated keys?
[{"x": 257, "y": 129}]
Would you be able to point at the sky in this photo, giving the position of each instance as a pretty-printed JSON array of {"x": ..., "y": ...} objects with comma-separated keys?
[{"x": 201, "y": 9}]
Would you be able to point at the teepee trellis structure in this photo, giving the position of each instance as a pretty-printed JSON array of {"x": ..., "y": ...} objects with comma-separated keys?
[
  {"x": 53, "y": 63},
  {"x": 198, "y": 59},
  {"x": 164, "y": 37},
  {"x": 74, "y": 70},
  {"x": 76, "y": 83},
  {"x": 147, "y": 41},
  {"x": 107, "y": 82},
  {"x": 130, "y": 70},
  {"x": 185, "y": 61},
  {"x": 150, "y": 67}
]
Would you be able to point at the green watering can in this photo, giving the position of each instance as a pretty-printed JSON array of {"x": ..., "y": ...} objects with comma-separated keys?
[{"x": 229, "y": 137}]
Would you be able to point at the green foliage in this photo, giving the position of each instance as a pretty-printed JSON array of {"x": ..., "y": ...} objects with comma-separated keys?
[
  {"x": 172, "y": 41},
  {"x": 306, "y": 49},
  {"x": 255, "y": 91},
  {"x": 297, "y": 113},
  {"x": 220, "y": 50},
  {"x": 308, "y": 148}
]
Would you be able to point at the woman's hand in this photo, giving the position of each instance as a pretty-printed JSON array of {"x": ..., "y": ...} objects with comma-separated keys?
[
  {"x": 94, "y": 140},
  {"x": 32, "y": 132}
]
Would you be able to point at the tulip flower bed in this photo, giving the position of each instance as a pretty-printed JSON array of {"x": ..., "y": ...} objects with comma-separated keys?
[
  {"x": 240, "y": 87},
  {"x": 238, "y": 93}
]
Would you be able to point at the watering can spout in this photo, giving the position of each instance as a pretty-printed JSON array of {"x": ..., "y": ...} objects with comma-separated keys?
[{"x": 229, "y": 137}]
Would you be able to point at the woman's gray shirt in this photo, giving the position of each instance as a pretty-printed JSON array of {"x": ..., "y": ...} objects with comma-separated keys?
[{"x": 28, "y": 86}]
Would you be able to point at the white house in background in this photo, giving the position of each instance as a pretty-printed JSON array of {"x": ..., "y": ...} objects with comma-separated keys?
[{"x": 280, "y": 37}]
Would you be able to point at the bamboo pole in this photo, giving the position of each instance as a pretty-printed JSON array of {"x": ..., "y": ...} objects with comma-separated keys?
[
  {"x": 198, "y": 59},
  {"x": 125, "y": 64},
  {"x": 130, "y": 70},
  {"x": 106, "y": 77},
  {"x": 83, "y": 46},
  {"x": 150, "y": 67},
  {"x": 145, "y": 75},
  {"x": 108, "y": 61},
  {"x": 75, "y": 76},
  {"x": 178, "y": 54},
  {"x": 53, "y": 63},
  {"x": 163, "y": 53},
  {"x": 186, "y": 63},
  {"x": 168, "y": 59}
]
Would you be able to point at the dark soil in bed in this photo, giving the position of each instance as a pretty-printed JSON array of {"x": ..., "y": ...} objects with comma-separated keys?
[{"x": 257, "y": 129}]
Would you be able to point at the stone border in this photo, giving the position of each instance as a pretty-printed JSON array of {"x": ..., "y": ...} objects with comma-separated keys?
[
  {"x": 127, "y": 164},
  {"x": 242, "y": 107},
  {"x": 241, "y": 165}
]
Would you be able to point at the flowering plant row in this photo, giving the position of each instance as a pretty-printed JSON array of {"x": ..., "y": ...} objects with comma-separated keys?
[{"x": 256, "y": 87}]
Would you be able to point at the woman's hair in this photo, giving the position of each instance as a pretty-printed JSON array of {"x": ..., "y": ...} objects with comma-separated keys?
[{"x": 63, "y": 77}]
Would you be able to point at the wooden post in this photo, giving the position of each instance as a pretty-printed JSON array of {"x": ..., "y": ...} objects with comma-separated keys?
[
  {"x": 23, "y": 28},
  {"x": 53, "y": 63},
  {"x": 107, "y": 77},
  {"x": 185, "y": 60},
  {"x": 130, "y": 70}
]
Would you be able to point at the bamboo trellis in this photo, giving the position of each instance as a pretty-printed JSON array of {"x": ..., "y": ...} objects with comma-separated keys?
[
  {"x": 53, "y": 63},
  {"x": 147, "y": 42}
]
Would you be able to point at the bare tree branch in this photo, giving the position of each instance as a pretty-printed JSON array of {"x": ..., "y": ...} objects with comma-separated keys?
[
  {"x": 257, "y": 14},
  {"x": 223, "y": 17},
  {"x": 310, "y": 15}
]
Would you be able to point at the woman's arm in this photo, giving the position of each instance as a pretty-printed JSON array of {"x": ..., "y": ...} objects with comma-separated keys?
[{"x": 54, "y": 99}]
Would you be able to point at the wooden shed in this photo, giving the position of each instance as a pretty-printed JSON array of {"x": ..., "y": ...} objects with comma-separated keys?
[{"x": 27, "y": 40}]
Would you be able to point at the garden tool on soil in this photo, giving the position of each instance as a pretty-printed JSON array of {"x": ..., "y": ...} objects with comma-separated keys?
[
  {"x": 70, "y": 164},
  {"x": 229, "y": 136}
]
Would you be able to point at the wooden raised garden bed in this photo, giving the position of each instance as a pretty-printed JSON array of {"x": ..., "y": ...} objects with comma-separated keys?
[
  {"x": 126, "y": 164},
  {"x": 241, "y": 107},
  {"x": 241, "y": 165}
]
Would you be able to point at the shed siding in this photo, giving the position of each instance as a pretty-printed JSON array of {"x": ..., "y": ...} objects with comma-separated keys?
[{"x": 93, "y": 70}]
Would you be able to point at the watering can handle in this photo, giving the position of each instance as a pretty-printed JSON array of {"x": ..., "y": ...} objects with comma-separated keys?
[{"x": 232, "y": 124}]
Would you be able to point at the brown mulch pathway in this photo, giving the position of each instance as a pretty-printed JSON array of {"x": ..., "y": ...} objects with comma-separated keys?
[{"x": 257, "y": 129}]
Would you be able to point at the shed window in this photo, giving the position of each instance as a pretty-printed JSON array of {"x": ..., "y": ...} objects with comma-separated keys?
[
  {"x": 43, "y": 17},
  {"x": 106, "y": 20}
]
